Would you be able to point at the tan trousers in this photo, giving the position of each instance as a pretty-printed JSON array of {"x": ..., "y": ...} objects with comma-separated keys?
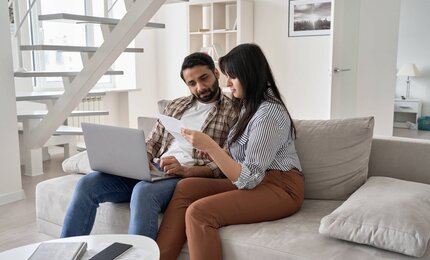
[{"x": 200, "y": 206}]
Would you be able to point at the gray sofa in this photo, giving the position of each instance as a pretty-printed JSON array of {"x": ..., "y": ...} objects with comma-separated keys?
[{"x": 329, "y": 182}]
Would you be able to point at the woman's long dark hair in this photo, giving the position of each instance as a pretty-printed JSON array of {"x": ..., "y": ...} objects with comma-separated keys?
[{"x": 247, "y": 63}]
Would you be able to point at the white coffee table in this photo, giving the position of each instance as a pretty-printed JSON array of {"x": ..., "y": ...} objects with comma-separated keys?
[{"x": 143, "y": 244}]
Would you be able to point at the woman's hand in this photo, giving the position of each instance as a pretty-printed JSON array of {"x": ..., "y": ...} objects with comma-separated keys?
[
  {"x": 199, "y": 140},
  {"x": 205, "y": 144}
]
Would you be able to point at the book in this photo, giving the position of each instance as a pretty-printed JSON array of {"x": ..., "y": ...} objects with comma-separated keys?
[{"x": 59, "y": 250}]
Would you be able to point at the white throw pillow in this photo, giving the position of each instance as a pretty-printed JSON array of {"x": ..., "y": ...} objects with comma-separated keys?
[
  {"x": 77, "y": 163},
  {"x": 386, "y": 213},
  {"x": 334, "y": 155}
]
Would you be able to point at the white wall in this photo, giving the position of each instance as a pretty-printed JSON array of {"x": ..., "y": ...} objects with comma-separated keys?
[
  {"x": 157, "y": 70},
  {"x": 10, "y": 173},
  {"x": 300, "y": 64},
  {"x": 414, "y": 42},
  {"x": 172, "y": 47},
  {"x": 376, "y": 71}
]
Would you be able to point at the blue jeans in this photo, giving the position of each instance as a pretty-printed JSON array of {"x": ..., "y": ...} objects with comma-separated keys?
[{"x": 147, "y": 200}]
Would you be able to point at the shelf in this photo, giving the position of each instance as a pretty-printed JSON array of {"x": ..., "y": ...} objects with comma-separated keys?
[
  {"x": 224, "y": 31},
  {"x": 230, "y": 23},
  {"x": 200, "y": 33}
]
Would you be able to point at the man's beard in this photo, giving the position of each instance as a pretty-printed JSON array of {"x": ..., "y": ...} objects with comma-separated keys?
[{"x": 209, "y": 94}]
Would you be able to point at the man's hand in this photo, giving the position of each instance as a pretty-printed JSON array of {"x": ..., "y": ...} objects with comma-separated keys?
[
  {"x": 171, "y": 165},
  {"x": 151, "y": 166}
]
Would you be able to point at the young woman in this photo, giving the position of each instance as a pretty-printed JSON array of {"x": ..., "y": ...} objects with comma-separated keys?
[{"x": 263, "y": 182}]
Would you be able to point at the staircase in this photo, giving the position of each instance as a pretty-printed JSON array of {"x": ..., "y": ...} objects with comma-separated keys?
[{"x": 97, "y": 61}]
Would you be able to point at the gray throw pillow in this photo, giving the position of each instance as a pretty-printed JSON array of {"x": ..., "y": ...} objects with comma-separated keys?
[
  {"x": 334, "y": 155},
  {"x": 386, "y": 213}
]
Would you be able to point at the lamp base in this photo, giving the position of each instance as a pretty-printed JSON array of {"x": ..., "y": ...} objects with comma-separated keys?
[{"x": 408, "y": 88}]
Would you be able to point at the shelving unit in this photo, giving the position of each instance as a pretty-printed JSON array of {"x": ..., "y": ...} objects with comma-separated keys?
[{"x": 217, "y": 26}]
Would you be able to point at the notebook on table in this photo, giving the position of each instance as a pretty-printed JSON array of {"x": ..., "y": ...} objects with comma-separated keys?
[
  {"x": 59, "y": 250},
  {"x": 119, "y": 151}
]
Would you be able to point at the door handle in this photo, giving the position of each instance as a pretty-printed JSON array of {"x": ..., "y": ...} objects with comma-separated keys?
[{"x": 336, "y": 69}]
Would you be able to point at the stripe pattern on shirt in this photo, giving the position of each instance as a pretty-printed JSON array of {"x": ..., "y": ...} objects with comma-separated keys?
[{"x": 265, "y": 144}]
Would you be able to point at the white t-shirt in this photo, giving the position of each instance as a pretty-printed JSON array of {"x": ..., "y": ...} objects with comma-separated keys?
[{"x": 193, "y": 118}]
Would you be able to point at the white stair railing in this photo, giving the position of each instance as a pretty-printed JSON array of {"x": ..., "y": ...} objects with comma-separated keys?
[{"x": 119, "y": 38}]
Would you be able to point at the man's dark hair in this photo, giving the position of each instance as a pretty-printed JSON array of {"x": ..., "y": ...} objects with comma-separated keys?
[{"x": 197, "y": 58}]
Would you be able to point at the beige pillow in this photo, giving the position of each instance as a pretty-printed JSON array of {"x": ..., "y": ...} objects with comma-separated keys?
[
  {"x": 386, "y": 213},
  {"x": 334, "y": 155}
]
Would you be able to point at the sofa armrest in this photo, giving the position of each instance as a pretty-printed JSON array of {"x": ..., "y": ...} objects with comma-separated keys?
[{"x": 401, "y": 158}]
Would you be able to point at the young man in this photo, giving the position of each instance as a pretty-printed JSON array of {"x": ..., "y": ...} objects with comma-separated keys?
[{"x": 206, "y": 109}]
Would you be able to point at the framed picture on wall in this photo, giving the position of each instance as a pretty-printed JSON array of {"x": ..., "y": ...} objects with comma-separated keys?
[{"x": 309, "y": 17}]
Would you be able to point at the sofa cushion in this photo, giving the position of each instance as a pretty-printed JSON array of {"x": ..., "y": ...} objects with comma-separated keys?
[
  {"x": 386, "y": 213},
  {"x": 334, "y": 155},
  {"x": 53, "y": 197},
  {"x": 78, "y": 163}
]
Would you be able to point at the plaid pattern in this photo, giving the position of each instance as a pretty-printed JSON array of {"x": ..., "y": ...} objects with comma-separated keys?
[{"x": 219, "y": 121}]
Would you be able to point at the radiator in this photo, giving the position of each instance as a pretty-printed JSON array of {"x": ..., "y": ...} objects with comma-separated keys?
[{"x": 92, "y": 103}]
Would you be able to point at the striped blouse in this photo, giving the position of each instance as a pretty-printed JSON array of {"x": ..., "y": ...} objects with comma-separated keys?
[{"x": 266, "y": 143}]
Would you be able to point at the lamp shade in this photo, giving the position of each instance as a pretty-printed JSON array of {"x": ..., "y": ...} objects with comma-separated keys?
[{"x": 408, "y": 70}]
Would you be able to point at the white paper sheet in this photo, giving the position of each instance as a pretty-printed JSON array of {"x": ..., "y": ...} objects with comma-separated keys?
[{"x": 173, "y": 126}]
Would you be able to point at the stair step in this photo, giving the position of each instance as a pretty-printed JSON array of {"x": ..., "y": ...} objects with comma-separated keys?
[
  {"x": 48, "y": 95},
  {"x": 62, "y": 130},
  {"x": 26, "y": 74},
  {"x": 75, "y": 18},
  {"x": 42, "y": 113},
  {"x": 68, "y": 130},
  {"x": 176, "y": 1},
  {"x": 66, "y": 48}
]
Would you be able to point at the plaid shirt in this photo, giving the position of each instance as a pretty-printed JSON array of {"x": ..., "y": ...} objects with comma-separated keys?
[{"x": 219, "y": 121}]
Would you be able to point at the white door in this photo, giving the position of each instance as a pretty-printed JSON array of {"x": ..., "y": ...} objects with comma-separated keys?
[
  {"x": 346, "y": 23},
  {"x": 364, "y": 57}
]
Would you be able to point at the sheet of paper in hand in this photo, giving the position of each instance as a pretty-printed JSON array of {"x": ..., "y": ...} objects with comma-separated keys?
[{"x": 173, "y": 126}]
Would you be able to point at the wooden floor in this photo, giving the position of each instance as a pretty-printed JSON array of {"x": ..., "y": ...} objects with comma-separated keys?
[{"x": 18, "y": 219}]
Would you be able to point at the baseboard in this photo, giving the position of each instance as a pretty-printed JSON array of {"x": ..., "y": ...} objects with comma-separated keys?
[{"x": 11, "y": 197}]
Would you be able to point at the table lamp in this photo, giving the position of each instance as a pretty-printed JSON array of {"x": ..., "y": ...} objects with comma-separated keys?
[{"x": 409, "y": 70}]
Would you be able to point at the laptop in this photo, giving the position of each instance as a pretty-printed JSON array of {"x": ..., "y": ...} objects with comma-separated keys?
[{"x": 119, "y": 151}]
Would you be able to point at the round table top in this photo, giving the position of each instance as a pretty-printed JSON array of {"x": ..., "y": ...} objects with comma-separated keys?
[{"x": 144, "y": 247}]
